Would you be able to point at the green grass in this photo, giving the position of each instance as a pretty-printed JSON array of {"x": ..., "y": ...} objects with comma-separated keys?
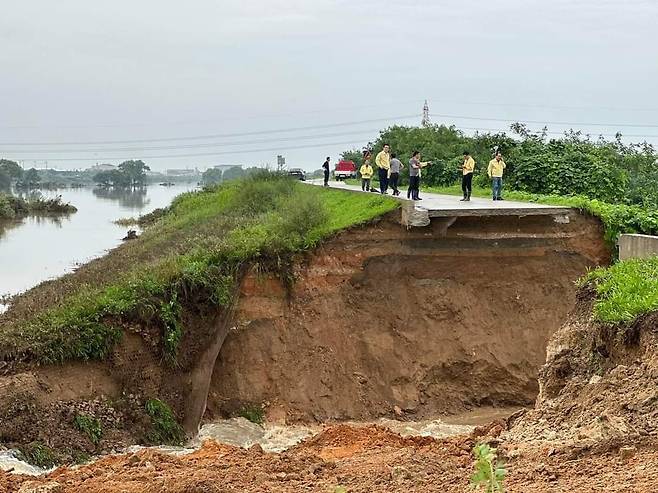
[
  {"x": 191, "y": 256},
  {"x": 89, "y": 426},
  {"x": 253, "y": 413},
  {"x": 625, "y": 290},
  {"x": 164, "y": 426},
  {"x": 39, "y": 455}
]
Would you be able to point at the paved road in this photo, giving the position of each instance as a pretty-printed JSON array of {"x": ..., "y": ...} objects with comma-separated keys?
[{"x": 438, "y": 205}]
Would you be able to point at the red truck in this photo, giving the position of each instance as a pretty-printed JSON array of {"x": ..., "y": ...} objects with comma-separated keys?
[{"x": 344, "y": 170}]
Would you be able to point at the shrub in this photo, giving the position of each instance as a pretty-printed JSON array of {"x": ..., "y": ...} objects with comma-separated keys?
[
  {"x": 89, "y": 426},
  {"x": 489, "y": 473},
  {"x": 254, "y": 413},
  {"x": 164, "y": 426},
  {"x": 39, "y": 455}
]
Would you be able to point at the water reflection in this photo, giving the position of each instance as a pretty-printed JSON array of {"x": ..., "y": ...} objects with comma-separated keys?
[
  {"x": 133, "y": 198},
  {"x": 37, "y": 248}
]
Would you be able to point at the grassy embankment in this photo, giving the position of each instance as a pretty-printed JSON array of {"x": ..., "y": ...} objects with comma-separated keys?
[
  {"x": 625, "y": 290},
  {"x": 11, "y": 206},
  {"x": 192, "y": 255}
]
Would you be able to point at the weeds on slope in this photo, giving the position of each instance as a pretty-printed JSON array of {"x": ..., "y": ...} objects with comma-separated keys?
[
  {"x": 625, "y": 290},
  {"x": 191, "y": 256}
]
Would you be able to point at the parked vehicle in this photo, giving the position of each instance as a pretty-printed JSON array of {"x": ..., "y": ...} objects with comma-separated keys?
[
  {"x": 345, "y": 170},
  {"x": 298, "y": 173}
]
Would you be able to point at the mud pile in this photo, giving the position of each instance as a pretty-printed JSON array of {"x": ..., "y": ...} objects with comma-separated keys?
[
  {"x": 599, "y": 384},
  {"x": 360, "y": 460}
]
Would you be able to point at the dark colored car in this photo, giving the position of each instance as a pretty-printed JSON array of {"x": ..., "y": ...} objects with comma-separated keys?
[{"x": 298, "y": 173}]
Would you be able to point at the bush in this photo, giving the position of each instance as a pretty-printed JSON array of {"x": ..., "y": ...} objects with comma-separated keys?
[
  {"x": 625, "y": 290},
  {"x": 164, "y": 426},
  {"x": 253, "y": 413},
  {"x": 89, "y": 426}
]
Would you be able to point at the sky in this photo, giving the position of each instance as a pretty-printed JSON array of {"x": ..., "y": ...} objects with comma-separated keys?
[{"x": 201, "y": 83}]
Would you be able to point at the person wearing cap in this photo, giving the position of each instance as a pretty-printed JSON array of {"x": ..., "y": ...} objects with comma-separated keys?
[{"x": 468, "y": 166}]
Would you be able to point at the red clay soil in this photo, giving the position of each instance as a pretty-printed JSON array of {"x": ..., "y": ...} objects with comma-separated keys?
[
  {"x": 362, "y": 460},
  {"x": 381, "y": 317}
]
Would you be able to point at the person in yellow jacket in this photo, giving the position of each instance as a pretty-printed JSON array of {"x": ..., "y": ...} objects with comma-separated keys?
[
  {"x": 468, "y": 166},
  {"x": 383, "y": 162},
  {"x": 495, "y": 171},
  {"x": 366, "y": 173}
]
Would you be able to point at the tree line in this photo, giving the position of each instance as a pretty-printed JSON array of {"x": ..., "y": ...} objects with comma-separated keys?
[{"x": 574, "y": 164}]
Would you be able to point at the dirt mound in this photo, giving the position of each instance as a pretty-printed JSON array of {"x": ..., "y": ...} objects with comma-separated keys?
[
  {"x": 387, "y": 464},
  {"x": 598, "y": 384}
]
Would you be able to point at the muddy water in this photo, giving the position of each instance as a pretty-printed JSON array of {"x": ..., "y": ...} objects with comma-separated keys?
[
  {"x": 35, "y": 249},
  {"x": 276, "y": 438}
]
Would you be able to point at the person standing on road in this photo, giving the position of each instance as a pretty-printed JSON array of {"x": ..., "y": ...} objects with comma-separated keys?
[
  {"x": 325, "y": 168},
  {"x": 495, "y": 171},
  {"x": 394, "y": 176},
  {"x": 383, "y": 162},
  {"x": 468, "y": 166},
  {"x": 366, "y": 172},
  {"x": 415, "y": 165}
]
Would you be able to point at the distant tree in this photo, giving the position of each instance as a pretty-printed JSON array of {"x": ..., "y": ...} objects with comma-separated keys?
[
  {"x": 211, "y": 176},
  {"x": 134, "y": 172},
  {"x": 233, "y": 173},
  {"x": 12, "y": 168},
  {"x": 30, "y": 179},
  {"x": 5, "y": 180},
  {"x": 355, "y": 156}
]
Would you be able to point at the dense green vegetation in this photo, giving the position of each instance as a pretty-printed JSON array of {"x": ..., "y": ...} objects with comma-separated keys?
[
  {"x": 12, "y": 206},
  {"x": 625, "y": 290},
  {"x": 197, "y": 251},
  {"x": 609, "y": 171}
]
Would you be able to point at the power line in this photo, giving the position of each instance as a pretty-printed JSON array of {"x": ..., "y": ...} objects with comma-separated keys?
[
  {"x": 202, "y": 154},
  {"x": 213, "y": 136},
  {"x": 520, "y": 120},
  {"x": 191, "y": 146}
]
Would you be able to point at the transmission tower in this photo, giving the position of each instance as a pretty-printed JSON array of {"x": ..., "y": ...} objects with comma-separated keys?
[{"x": 425, "y": 122}]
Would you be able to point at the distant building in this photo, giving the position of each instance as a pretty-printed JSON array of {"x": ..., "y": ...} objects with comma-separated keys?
[
  {"x": 182, "y": 172},
  {"x": 224, "y": 167},
  {"x": 102, "y": 167}
]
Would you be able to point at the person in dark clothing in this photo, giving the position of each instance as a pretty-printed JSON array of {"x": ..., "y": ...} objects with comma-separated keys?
[
  {"x": 468, "y": 166},
  {"x": 415, "y": 165},
  {"x": 325, "y": 168},
  {"x": 394, "y": 176}
]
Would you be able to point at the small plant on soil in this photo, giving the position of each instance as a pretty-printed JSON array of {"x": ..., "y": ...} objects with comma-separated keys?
[
  {"x": 165, "y": 428},
  {"x": 90, "y": 427},
  {"x": 38, "y": 455},
  {"x": 489, "y": 473},
  {"x": 253, "y": 413}
]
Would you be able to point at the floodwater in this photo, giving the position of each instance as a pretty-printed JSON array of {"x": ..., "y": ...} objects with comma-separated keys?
[
  {"x": 276, "y": 438},
  {"x": 35, "y": 249}
]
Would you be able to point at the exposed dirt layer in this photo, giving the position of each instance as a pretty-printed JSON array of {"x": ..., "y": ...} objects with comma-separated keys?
[
  {"x": 383, "y": 318},
  {"x": 380, "y": 321},
  {"x": 359, "y": 459},
  {"x": 599, "y": 383}
]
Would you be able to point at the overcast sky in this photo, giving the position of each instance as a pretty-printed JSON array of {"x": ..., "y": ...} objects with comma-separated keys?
[{"x": 76, "y": 71}]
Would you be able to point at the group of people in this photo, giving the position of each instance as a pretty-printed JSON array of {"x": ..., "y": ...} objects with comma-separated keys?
[
  {"x": 388, "y": 171},
  {"x": 389, "y": 167}
]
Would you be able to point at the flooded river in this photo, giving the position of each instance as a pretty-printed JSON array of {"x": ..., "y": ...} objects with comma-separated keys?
[{"x": 35, "y": 249}]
